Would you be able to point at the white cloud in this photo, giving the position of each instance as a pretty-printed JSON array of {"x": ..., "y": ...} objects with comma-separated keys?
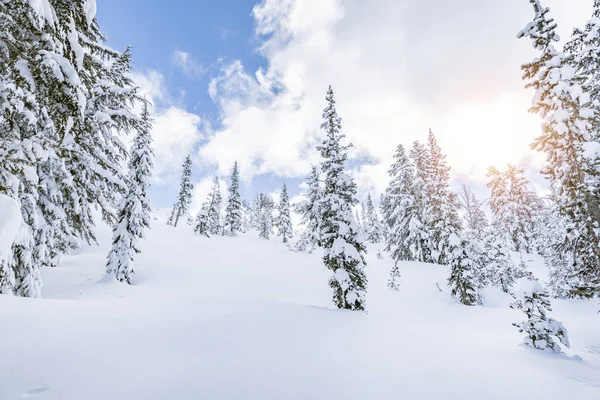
[
  {"x": 175, "y": 132},
  {"x": 187, "y": 63},
  {"x": 397, "y": 68}
]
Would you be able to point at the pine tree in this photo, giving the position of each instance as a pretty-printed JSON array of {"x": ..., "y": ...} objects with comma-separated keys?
[
  {"x": 441, "y": 204},
  {"x": 184, "y": 198},
  {"x": 512, "y": 205},
  {"x": 399, "y": 210},
  {"x": 310, "y": 211},
  {"x": 474, "y": 216},
  {"x": 233, "y": 212},
  {"x": 202, "y": 224},
  {"x": 284, "y": 219},
  {"x": 462, "y": 278},
  {"x": 533, "y": 301},
  {"x": 246, "y": 216},
  {"x": 60, "y": 87},
  {"x": 344, "y": 253},
  {"x": 373, "y": 227},
  {"x": 563, "y": 100},
  {"x": 419, "y": 234},
  {"x": 495, "y": 265},
  {"x": 134, "y": 214},
  {"x": 213, "y": 208},
  {"x": 263, "y": 215}
]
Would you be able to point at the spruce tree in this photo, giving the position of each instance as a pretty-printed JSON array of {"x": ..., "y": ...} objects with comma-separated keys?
[
  {"x": 419, "y": 234},
  {"x": 213, "y": 208},
  {"x": 184, "y": 197},
  {"x": 534, "y": 302},
  {"x": 462, "y": 275},
  {"x": 263, "y": 215},
  {"x": 563, "y": 100},
  {"x": 373, "y": 227},
  {"x": 344, "y": 253},
  {"x": 399, "y": 210},
  {"x": 64, "y": 95},
  {"x": 233, "y": 212},
  {"x": 134, "y": 213},
  {"x": 473, "y": 214},
  {"x": 512, "y": 204},
  {"x": 284, "y": 219},
  {"x": 202, "y": 223},
  {"x": 441, "y": 204},
  {"x": 310, "y": 212}
]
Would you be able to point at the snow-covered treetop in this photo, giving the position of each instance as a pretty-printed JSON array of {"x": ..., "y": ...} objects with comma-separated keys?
[{"x": 542, "y": 30}]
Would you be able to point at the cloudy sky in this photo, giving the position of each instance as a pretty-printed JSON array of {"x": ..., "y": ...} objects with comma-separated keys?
[{"x": 245, "y": 80}]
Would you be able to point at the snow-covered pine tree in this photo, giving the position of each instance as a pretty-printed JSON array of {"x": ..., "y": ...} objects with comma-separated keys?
[
  {"x": 134, "y": 212},
  {"x": 462, "y": 280},
  {"x": 64, "y": 95},
  {"x": 512, "y": 204},
  {"x": 359, "y": 223},
  {"x": 442, "y": 209},
  {"x": 246, "y": 216},
  {"x": 202, "y": 223},
  {"x": 284, "y": 219},
  {"x": 213, "y": 208},
  {"x": 419, "y": 234},
  {"x": 373, "y": 226},
  {"x": 399, "y": 211},
  {"x": 184, "y": 197},
  {"x": 570, "y": 142},
  {"x": 344, "y": 253},
  {"x": 473, "y": 214},
  {"x": 495, "y": 265},
  {"x": 233, "y": 211},
  {"x": 310, "y": 211},
  {"x": 263, "y": 215},
  {"x": 534, "y": 302}
]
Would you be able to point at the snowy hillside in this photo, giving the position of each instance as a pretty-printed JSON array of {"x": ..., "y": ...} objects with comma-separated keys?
[{"x": 245, "y": 318}]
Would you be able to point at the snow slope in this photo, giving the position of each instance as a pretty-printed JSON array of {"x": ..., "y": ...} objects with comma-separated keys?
[{"x": 245, "y": 318}]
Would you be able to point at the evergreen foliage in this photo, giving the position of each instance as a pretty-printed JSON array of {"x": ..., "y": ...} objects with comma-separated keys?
[
  {"x": 184, "y": 197},
  {"x": 310, "y": 212},
  {"x": 284, "y": 219},
  {"x": 233, "y": 211}
]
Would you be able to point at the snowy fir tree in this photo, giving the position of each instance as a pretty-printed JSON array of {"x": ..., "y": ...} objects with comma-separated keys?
[
  {"x": 184, "y": 197},
  {"x": 344, "y": 252},
  {"x": 399, "y": 210},
  {"x": 202, "y": 223},
  {"x": 540, "y": 329},
  {"x": 495, "y": 264},
  {"x": 570, "y": 141},
  {"x": 134, "y": 213},
  {"x": 441, "y": 205},
  {"x": 233, "y": 211},
  {"x": 462, "y": 275},
  {"x": 263, "y": 215},
  {"x": 64, "y": 95},
  {"x": 284, "y": 219},
  {"x": 310, "y": 212},
  {"x": 418, "y": 227},
  {"x": 372, "y": 226},
  {"x": 213, "y": 207},
  {"x": 513, "y": 207},
  {"x": 475, "y": 220},
  {"x": 246, "y": 216}
]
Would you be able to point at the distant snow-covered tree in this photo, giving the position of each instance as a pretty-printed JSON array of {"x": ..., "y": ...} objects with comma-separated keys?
[
  {"x": 344, "y": 252},
  {"x": 534, "y": 302},
  {"x": 184, "y": 197},
  {"x": 202, "y": 223},
  {"x": 134, "y": 213},
  {"x": 213, "y": 208},
  {"x": 474, "y": 216},
  {"x": 419, "y": 234},
  {"x": 310, "y": 211},
  {"x": 284, "y": 219},
  {"x": 233, "y": 211},
  {"x": 372, "y": 226},
  {"x": 263, "y": 211}
]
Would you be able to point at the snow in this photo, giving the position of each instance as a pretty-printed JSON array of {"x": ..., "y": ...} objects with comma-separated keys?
[
  {"x": 89, "y": 6},
  {"x": 10, "y": 222},
  {"x": 245, "y": 318},
  {"x": 44, "y": 10}
]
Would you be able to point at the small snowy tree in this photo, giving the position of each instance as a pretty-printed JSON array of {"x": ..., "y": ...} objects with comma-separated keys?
[
  {"x": 263, "y": 215},
  {"x": 344, "y": 252},
  {"x": 134, "y": 214},
  {"x": 233, "y": 211},
  {"x": 418, "y": 238},
  {"x": 184, "y": 198},
  {"x": 284, "y": 219},
  {"x": 202, "y": 223},
  {"x": 473, "y": 214},
  {"x": 213, "y": 208},
  {"x": 372, "y": 226},
  {"x": 462, "y": 277},
  {"x": 310, "y": 211},
  {"x": 534, "y": 302}
]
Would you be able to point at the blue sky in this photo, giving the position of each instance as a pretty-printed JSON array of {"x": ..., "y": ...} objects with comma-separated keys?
[{"x": 230, "y": 83}]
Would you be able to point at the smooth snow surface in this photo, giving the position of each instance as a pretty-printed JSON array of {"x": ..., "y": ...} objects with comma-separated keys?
[
  {"x": 244, "y": 318},
  {"x": 10, "y": 222}
]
